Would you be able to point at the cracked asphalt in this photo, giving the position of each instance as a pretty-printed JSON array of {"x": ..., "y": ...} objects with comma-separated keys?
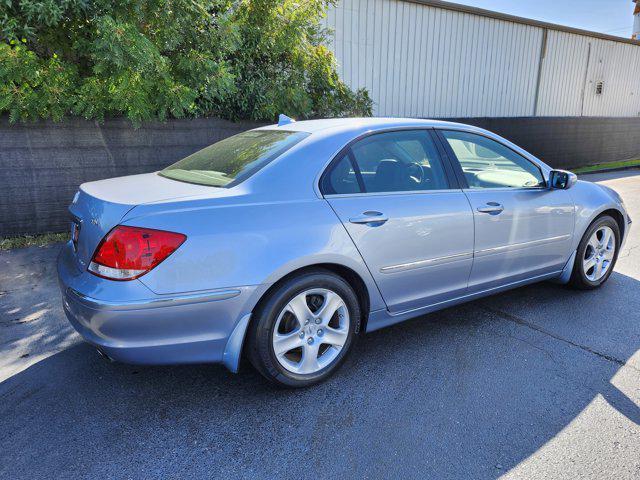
[{"x": 539, "y": 382}]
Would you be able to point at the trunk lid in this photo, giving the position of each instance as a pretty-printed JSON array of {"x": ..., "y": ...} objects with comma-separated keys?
[{"x": 100, "y": 206}]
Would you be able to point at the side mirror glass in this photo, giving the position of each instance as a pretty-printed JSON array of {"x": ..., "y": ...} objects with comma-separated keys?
[{"x": 561, "y": 179}]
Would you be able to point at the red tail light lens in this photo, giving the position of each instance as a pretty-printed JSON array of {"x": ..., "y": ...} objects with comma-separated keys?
[{"x": 130, "y": 252}]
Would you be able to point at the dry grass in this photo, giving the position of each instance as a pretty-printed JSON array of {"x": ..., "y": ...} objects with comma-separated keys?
[{"x": 23, "y": 241}]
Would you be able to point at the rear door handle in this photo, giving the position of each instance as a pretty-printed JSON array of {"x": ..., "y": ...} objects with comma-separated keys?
[
  {"x": 370, "y": 217},
  {"x": 492, "y": 208}
]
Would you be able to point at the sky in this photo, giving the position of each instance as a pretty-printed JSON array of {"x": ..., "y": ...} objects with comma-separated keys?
[{"x": 614, "y": 17}]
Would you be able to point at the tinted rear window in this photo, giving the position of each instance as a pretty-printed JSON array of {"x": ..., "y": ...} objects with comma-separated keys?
[{"x": 234, "y": 159}]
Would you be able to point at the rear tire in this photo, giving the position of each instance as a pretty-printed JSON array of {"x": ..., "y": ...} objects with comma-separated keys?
[
  {"x": 304, "y": 330},
  {"x": 597, "y": 254}
]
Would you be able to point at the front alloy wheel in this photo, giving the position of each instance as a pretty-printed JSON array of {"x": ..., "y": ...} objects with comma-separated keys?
[{"x": 597, "y": 254}]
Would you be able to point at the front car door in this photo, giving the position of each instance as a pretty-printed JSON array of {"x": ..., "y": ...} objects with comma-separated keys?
[
  {"x": 396, "y": 197},
  {"x": 522, "y": 228}
]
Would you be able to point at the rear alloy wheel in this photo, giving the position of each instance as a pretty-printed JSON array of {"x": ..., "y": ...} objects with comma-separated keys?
[
  {"x": 597, "y": 254},
  {"x": 311, "y": 331},
  {"x": 304, "y": 330}
]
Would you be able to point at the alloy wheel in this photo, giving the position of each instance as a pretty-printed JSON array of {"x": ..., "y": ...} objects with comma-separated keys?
[
  {"x": 599, "y": 253},
  {"x": 310, "y": 331}
]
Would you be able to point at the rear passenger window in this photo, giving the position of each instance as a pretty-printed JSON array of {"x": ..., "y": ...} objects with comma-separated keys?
[
  {"x": 399, "y": 161},
  {"x": 341, "y": 179}
]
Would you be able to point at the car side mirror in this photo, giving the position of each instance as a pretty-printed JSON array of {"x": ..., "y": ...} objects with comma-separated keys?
[{"x": 562, "y": 180}]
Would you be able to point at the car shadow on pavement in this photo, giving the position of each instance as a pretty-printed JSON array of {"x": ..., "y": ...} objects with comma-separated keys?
[{"x": 471, "y": 392}]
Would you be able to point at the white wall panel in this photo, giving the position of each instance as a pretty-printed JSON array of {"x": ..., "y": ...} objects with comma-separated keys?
[
  {"x": 563, "y": 73},
  {"x": 618, "y": 66},
  {"x": 424, "y": 61}
]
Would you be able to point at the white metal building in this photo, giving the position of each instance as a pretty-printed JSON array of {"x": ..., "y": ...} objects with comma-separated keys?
[{"x": 428, "y": 58}]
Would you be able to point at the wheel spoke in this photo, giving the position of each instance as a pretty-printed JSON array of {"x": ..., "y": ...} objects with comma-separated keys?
[
  {"x": 594, "y": 242},
  {"x": 588, "y": 263},
  {"x": 608, "y": 254},
  {"x": 334, "y": 336},
  {"x": 298, "y": 306},
  {"x": 597, "y": 271},
  {"x": 309, "y": 361},
  {"x": 331, "y": 303},
  {"x": 606, "y": 237},
  {"x": 283, "y": 343}
]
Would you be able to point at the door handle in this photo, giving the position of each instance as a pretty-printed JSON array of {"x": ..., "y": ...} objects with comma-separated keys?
[
  {"x": 493, "y": 208},
  {"x": 370, "y": 217}
]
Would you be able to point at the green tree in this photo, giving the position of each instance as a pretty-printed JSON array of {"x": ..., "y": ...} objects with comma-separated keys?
[{"x": 153, "y": 59}]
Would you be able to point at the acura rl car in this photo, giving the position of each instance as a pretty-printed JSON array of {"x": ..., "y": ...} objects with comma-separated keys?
[{"x": 283, "y": 244}]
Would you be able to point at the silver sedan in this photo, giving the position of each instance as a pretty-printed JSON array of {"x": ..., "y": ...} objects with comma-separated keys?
[{"x": 287, "y": 242}]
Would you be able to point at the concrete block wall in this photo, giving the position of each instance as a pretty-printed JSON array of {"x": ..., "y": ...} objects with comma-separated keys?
[
  {"x": 42, "y": 164},
  {"x": 569, "y": 142}
]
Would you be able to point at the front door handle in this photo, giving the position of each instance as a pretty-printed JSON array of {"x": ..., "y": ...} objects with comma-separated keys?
[
  {"x": 492, "y": 208},
  {"x": 370, "y": 217}
]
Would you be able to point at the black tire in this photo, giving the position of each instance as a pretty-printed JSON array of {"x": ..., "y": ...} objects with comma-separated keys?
[
  {"x": 259, "y": 348},
  {"x": 579, "y": 278}
]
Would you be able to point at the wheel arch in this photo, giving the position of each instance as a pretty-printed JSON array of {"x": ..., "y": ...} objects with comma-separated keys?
[
  {"x": 567, "y": 271},
  {"x": 353, "y": 278},
  {"x": 617, "y": 216}
]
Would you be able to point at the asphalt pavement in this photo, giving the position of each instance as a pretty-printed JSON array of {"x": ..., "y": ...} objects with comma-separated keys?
[{"x": 539, "y": 382}]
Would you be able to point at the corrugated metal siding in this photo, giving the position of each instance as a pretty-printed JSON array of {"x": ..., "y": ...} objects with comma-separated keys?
[
  {"x": 563, "y": 73},
  {"x": 618, "y": 65},
  {"x": 424, "y": 61}
]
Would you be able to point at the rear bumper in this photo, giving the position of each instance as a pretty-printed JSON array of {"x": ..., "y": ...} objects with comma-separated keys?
[{"x": 198, "y": 327}]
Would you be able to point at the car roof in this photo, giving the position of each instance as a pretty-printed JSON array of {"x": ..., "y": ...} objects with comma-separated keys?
[{"x": 344, "y": 124}]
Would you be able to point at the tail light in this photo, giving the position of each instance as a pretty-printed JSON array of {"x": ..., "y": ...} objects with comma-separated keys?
[{"x": 127, "y": 253}]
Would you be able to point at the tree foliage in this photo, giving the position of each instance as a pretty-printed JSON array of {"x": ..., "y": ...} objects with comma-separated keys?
[{"x": 153, "y": 59}]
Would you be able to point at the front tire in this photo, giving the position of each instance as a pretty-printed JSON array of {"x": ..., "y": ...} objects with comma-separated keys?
[
  {"x": 597, "y": 254},
  {"x": 303, "y": 331}
]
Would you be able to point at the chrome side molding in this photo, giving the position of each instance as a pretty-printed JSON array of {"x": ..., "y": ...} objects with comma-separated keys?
[
  {"x": 426, "y": 263},
  {"x": 185, "y": 299}
]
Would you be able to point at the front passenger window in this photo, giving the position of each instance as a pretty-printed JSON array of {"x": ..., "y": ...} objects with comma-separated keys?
[{"x": 489, "y": 164}]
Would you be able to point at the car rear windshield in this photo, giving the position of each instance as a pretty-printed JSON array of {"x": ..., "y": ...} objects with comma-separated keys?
[{"x": 234, "y": 159}]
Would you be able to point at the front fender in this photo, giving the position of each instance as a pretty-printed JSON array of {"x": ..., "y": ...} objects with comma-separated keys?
[{"x": 590, "y": 201}]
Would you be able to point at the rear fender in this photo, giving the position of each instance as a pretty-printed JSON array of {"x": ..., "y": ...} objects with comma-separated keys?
[{"x": 252, "y": 244}]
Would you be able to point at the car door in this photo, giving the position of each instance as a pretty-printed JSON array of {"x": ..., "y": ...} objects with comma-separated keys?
[
  {"x": 522, "y": 228},
  {"x": 397, "y": 198}
]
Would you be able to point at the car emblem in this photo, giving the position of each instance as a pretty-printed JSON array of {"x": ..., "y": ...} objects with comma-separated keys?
[{"x": 94, "y": 221}]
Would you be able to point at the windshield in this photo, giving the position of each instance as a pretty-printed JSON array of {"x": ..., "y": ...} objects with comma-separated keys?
[{"x": 234, "y": 159}]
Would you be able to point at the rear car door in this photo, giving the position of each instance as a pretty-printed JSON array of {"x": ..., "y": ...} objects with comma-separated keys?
[
  {"x": 522, "y": 228},
  {"x": 398, "y": 199}
]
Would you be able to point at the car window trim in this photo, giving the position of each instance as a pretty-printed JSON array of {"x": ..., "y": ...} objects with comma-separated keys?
[
  {"x": 451, "y": 180},
  {"x": 458, "y": 166},
  {"x": 454, "y": 181},
  {"x": 402, "y": 192},
  {"x": 356, "y": 170}
]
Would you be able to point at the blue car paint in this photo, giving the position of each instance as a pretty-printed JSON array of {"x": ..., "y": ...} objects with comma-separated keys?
[{"x": 196, "y": 305}]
